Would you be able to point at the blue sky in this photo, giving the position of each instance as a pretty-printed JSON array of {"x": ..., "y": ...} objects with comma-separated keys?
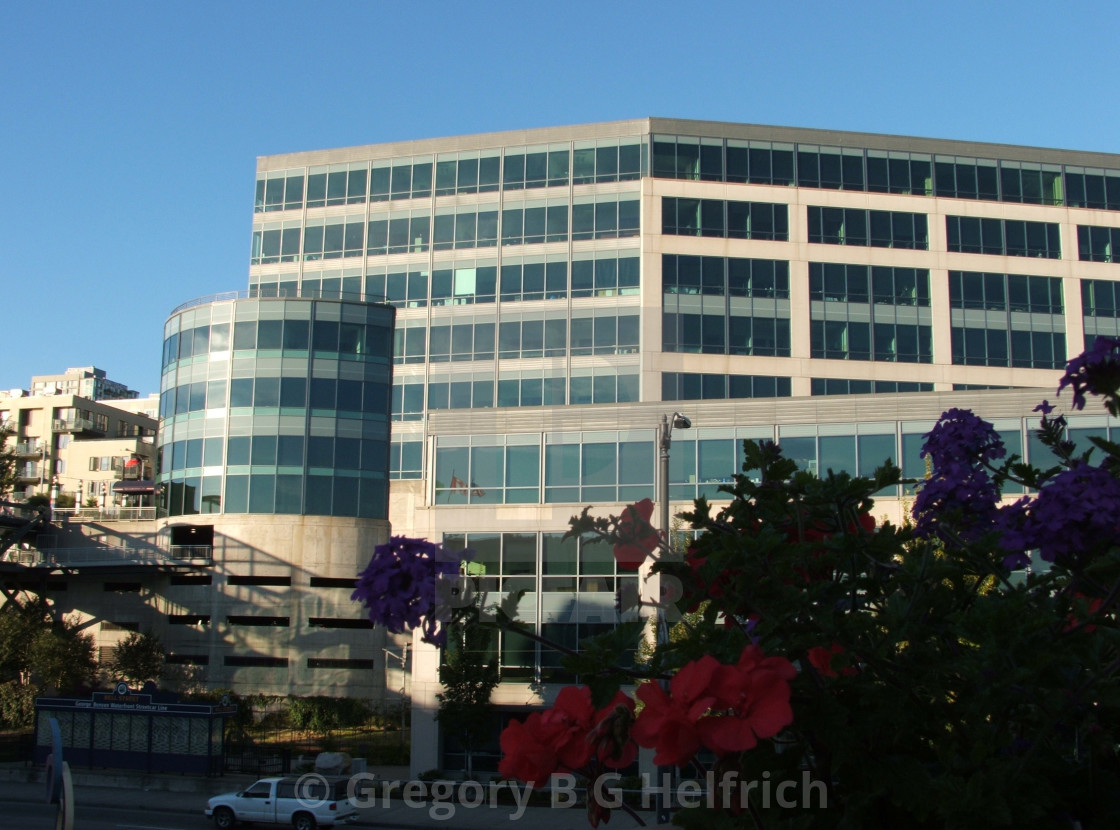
[{"x": 129, "y": 131}]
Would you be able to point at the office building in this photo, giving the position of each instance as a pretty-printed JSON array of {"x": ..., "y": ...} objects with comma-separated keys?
[
  {"x": 559, "y": 291},
  {"x": 524, "y": 309}
]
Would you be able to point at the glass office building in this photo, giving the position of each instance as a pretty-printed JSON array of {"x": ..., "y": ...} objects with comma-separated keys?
[
  {"x": 559, "y": 290},
  {"x": 276, "y": 406},
  {"x": 273, "y": 456}
]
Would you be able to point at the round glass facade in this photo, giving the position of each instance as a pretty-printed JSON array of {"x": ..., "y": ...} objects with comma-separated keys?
[{"x": 271, "y": 405}]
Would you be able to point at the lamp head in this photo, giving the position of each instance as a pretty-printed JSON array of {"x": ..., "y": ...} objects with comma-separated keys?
[{"x": 681, "y": 421}]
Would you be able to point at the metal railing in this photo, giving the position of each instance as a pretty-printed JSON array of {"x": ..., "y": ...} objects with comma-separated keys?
[
  {"x": 108, "y": 556},
  {"x": 224, "y": 296},
  {"x": 19, "y": 510},
  {"x": 106, "y": 514},
  {"x": 191, "y": 552},
  {"x": 78, "y": 425},
  {"x": 27, "y": 471}
]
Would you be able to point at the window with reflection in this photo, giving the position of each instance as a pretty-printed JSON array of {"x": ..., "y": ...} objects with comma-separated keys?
[
  {"x": 1031, "y": 349},
  {"x": 724, "y": 276},
  {"x": 724, "y": 219},
  {"x": 1095, "y": 244},
  {"x": 868, "y": 228},
  {"x": 1006, "y": 237},
  {"x": 1005, "y": 292},
  {"x": 605, "y": 275},
  {"x": 851, "y": 386},
  {"x": 690, "y": 386},
  {"x": 530, "y": 279}
]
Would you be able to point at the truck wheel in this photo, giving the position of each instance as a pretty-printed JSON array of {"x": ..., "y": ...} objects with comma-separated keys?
[
  {"x": 223, "y": 818},
  {"x": 303, "y": 821}
]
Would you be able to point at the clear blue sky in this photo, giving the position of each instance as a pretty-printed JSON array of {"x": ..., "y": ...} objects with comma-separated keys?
[{"x": 129, "y": 131}]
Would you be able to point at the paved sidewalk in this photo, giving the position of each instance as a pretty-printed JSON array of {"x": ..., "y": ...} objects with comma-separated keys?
[{"x": 478, "y": 807}]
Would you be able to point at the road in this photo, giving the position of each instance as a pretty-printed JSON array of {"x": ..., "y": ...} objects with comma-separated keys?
[{"x": 30, "y": 816}]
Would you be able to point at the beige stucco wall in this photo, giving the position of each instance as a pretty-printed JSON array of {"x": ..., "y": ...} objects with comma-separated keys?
[{"x": 111, "y": 600}]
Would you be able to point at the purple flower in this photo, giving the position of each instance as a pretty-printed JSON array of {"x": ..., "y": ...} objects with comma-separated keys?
[
  {"x": 960, "y": 437},
  {"x": 959, "y": 490},
  {"x": 1075, "y": 513},
  {"x": 399, "y": 585},
  {"x": 1096, "y": 370},
  {"x": 1045, "y": 408},
  {"x": 957, "y": 501}
]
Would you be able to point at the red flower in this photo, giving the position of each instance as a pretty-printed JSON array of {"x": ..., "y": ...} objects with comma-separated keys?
[
  {"x": 669, "y": 720},
  {"x": 568, "y": 721},
  {"x": 568, "y": 735},
  {"x": 637, "y": 538},
  {"x": 821, "y": 660},
  {"x": 610, "y": 739},
  {"x": 864, "y": 522},
  {"x": 526, "y": 751},
  {"x": 1094, "y": 605},
  {"x": 756, "y": 692},
  {"x": 717, "y": 588},
  {"x": 818, "y": 532}
]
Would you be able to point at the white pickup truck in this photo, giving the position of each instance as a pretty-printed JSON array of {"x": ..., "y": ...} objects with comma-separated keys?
[{"x": 303, "y": 803}]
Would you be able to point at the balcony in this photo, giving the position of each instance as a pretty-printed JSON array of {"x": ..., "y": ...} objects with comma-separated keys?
[
  {"x": 28, "y": 472},
  {"x": 79, "y": 425},
  {"x": 33, "y": 447}
]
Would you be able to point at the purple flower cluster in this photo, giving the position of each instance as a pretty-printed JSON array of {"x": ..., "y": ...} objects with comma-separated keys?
[
  {"x": 961, "y": 437},
  {"x": 958, "y": 486},
  {"x": 1096, "y": 370},
  {"x": 399, "y": 585},
  {"x": 1076, "y": 513},
  {"x": 961, "y": 498}
]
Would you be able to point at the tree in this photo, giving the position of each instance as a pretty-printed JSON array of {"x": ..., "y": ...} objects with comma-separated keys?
[
  {"x": 469, "y": 674},
  {"x": 20, "y": 625},
  {"x": 37, "y": 649},
  {"x": 138, "y": 658},
  {"x": 61, "y": 659},
  {"x": 7, "y": 462}
]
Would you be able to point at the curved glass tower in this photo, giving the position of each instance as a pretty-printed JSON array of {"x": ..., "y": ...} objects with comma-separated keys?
[{"x": 276, "y": 406}]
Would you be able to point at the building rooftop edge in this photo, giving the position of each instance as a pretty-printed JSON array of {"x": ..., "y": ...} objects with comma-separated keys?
[{"x": 655, "y": 125}]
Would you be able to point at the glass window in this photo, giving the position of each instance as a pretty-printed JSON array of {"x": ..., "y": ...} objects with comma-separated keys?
[
  {"x": 237, "y": 451},
  {"x": 837, "y": 454}
]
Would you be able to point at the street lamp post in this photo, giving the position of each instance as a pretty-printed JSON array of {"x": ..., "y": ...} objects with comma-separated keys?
[
  {"x": 679, "y": 421},
  {"x": 403, "y": 657},
  {"x": 668, "y": 422}
]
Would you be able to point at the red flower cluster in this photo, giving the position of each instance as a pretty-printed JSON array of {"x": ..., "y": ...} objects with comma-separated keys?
[
  {"x": 637, "y": 538},
  {"x": 1093, "y": 605},
  {"x": 715, "y": 589},
  {"x": 568, "y": 735},
  {"x": 725, "y": 708},
  {"x": 821, "y": 659},
  {"x": 865, "y": 523}
]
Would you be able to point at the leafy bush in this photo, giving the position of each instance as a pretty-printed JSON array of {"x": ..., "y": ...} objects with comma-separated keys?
[
  {"x": 17, "y": 705},
  {"x": 320, "y": 715}
]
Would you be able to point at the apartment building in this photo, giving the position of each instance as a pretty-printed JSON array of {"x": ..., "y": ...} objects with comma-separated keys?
[
  {"x": 87, "y": 382},
  {"x": 83, "y": 448}
]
